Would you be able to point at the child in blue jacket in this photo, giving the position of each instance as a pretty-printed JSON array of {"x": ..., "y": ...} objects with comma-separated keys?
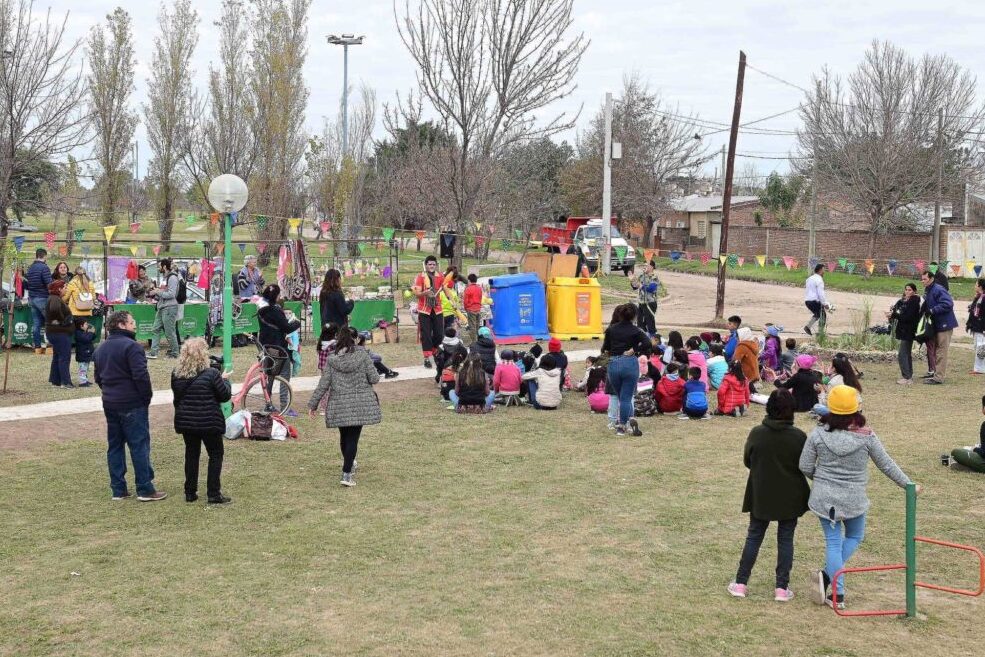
[
  {"x": 85, "y": 335},
  {"x": 695, "y": 396}
]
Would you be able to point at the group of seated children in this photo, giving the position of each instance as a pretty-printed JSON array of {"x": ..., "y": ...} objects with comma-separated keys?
[{"x": 509, "y": 378}]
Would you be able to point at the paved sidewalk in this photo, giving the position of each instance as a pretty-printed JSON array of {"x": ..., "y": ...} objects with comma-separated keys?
[{"x": 162, "y": 397}]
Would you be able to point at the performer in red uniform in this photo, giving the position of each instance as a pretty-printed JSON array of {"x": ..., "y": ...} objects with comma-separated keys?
[{"x": 430, "y": 319}]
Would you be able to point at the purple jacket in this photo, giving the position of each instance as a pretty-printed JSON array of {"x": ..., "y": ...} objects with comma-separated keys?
[{"x": 771, "y": 353}]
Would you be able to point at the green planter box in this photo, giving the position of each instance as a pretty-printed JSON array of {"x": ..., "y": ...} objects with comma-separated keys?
[
  {"x": 366, "y": 314},
  {"x": 24, "y": 322}
]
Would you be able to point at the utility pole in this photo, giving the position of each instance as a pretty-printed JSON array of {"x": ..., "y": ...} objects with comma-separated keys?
[
  {"x": 812, "y": 236},
  {"x": 935, "y": 247},
  {"x": 605, "y": 261},
  {"x": 727, "y": 193}
]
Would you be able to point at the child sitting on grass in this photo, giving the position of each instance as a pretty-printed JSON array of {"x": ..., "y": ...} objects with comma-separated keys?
[
  {"x": 581, "y": 386},
  {"x": 375, "y": 357},
  {"x": 598, "y": 400},
  {"x": 695, "y": 397},
  {"x": 506, "y": 378},
  {"x": 554, "y": 347},
  {"x": 450, "y": 345},
  {"x": 543, "y": 390},
  {"x": 789, "y": 357},
  {"x": 472, "y": 393},
  {"x": 733, "y": 394},
  {"x": 972, "y": 457},
  {"x": 696, "y": 358},
  {"x": 717, "y": 365},
  {"x": 449, "y": 374},
  {"x": 804, "y": 384},
  {"x": 670, "y": 391}
]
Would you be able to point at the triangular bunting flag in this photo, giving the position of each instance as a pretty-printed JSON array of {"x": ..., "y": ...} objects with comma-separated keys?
[
  {"x": 18, "y": 243},
  {"x": 322, "y": 247},
  {"x": 919, "y": 265},
  {"x": 621, "y": 253},
  {"x": 505, "y": 243},
  {"x": 843, "y": 262},
  {"x": 133, "y": 251},
  {"x": 705, "y": 257},
  {"x": 850, "y": 267},
  {"x": 955, "y": 269},
  {"x": 832, "y": 266},
  {"x": 733, "y": 260},
  {"x": 108, "y": 232},
  {"x": 387, "y": 272},
  {"x": 788, "y": 262},
  {"x": 932, "y": 269},
  {"x": 742, "y": 260},
  {"x": 978, "y": 270},
  {"x": 761, "y": 260},
  {"x": 388, "y": 234},
  {"x": 518, "y": 233},
  {"x": 189, "y": 220},
  {"x": 870, "y": 265},
  {"x": 157, "y": 249},
  {"x": 135, "y": 227},
  {"x": 63, "y": 250},
  {"x": 325, "y": 226},
  {"x": 969, "y": 266},
  {"x": 419, "y": 234},
  {"x": 688, "y": 256},
  {"x": 723, "y": 259},
  {"x": 480, "y": 240},
  {"x": 49, "y": 240},
  {"x": 891, "y": 267},
  {"x": 294, "y": 223},
  {"x": 214, "y": 218},
  {"x": 261, "y": 222},
  {"x": 199, "y": 243},
  {"x": 262, "y": 247},
  {"x": 79, "y": 234},
  {"x": 242, "y": 247},
  {"x": 649, "y": 254},
  {"x": 675, "y": 256}
]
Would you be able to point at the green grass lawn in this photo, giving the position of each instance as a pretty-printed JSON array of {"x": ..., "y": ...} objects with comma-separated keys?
[
  {"x": 962, "y": 288},
  {"x": 515, "y": 533}
]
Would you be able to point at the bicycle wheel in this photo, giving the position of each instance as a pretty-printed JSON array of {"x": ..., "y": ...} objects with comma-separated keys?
[{"x": 255, "y": 400}]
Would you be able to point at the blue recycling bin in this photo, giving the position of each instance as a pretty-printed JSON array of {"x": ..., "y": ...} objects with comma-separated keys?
[{"x": 519, "y": 311}]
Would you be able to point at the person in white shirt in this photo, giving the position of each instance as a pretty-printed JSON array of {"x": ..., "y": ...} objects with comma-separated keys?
[{"x": 815, "y": 301}]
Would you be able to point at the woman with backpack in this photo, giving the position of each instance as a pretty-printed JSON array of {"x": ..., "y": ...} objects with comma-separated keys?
[
  {"x": 348, "y": 380},
  {"x": 199, "y": 389},
  {"x": 79, "y": 294}
]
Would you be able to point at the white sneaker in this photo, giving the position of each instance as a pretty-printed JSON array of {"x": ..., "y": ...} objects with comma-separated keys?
[{"x": 783, "y": 595}]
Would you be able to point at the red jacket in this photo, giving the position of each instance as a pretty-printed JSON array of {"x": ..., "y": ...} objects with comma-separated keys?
[
  {"x": 506, "y": 378},
  {"x": 423, "y": 283},
  {"x": 472, "y": 298},
  {"x": 732, "y": 393},
  {"x": 669, "y": 395}
]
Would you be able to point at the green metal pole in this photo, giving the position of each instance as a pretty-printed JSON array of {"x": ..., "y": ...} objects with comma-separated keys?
[
  {"x": 227, "y": 303},
  {"x": 911, "y": 550}
]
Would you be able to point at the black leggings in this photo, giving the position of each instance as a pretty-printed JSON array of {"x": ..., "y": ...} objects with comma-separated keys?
[
  {"x": 193, "y": 451},
  {"x": 349, "y": 443}
]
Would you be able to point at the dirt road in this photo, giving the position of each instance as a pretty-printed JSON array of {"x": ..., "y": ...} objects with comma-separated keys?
[{"x": 691, "y": 301}]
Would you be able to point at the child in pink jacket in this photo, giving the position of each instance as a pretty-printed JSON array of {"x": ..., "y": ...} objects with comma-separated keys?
[{"x": 506, "y": 378}]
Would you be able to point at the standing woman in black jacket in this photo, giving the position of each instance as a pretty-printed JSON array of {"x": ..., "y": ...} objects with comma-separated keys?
[
  {"x": 199, "y": 389},
  {"x": 274, "y": 329},
  {"x": 624, "y": 342},
  {"x": 906, "y": 314},
  {"x": 335, "y": 309},
  {"x": 976, "y": 325}
]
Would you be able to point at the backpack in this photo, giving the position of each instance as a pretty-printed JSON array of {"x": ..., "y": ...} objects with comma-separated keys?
[{"x": 182, "y": 294}]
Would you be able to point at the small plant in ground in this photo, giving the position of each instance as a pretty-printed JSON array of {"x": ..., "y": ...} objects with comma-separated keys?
[{"x": 860, "y": 338}]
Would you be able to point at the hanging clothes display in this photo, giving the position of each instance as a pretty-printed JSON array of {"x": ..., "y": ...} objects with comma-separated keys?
[
  {"x": 294, "y": 271},
  {"x": 447, "y": 245},
  {"x": 116, "y": 288}
]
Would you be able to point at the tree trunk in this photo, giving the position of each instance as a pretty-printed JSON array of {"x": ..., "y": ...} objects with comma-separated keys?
[{"x": 165, "y": 221}]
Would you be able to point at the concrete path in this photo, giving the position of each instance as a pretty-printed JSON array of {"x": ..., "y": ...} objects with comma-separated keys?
[{"x": 162, "y": 397}]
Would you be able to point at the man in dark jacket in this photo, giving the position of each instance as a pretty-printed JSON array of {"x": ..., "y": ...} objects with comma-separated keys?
[
  {"x": 775, "y": 491},
  {"x": 939, "y": 304},
  {"x": 38, "y": 279},
  {"x": 122, "y": 376}
]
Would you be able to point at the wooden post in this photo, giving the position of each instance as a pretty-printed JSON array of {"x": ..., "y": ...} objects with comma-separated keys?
[
  {"x": 727, "y": 192},
  {"x": 935, "y": 246}
]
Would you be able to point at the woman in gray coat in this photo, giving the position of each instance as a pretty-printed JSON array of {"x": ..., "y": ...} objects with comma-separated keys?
[
  {"x": 348, "y": 379},
  {"x": 836, "y": 456}
]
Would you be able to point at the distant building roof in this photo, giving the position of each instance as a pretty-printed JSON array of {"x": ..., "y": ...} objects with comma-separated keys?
[{"x": 696, "y": 203}]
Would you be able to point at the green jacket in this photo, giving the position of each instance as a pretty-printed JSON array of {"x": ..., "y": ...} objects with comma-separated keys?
[{"x": 776, "y": 488}]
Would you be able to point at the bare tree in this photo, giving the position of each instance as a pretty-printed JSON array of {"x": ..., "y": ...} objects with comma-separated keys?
[
  {"x": 658, "y": 145},
  {"x": 168, "y": 113},
  {"x": 41, "y": 92},
  {"x": 872, "y": 139},
  {"x": 487, "y": 66},
  {"x": 217, "y": 139},
  {"x": 110, "y": 79},
  {"x": 280, "y": 97}
]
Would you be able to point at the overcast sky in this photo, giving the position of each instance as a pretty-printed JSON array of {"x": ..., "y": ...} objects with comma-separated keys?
[{"x": 686, "y": 49}]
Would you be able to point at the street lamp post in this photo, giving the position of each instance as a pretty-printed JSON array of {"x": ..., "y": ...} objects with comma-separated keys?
[
  {"x": 228, "y": 194},
  {"x": 345, "y": 41}
]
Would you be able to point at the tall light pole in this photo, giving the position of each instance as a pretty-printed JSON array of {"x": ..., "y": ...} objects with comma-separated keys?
[
  {"x": 228, "y": 194},
  {"x": 605, "y": 262},
  {"x": 345, "y": 41}
]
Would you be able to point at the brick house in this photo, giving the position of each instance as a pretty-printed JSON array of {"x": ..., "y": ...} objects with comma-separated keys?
[{"x": 694, "y": 222}]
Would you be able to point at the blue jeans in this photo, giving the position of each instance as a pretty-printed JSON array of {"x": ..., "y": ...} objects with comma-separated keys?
[
  {"x": 453, "y": 398},
  {"x": 820, "y": 409},
  {"x": 38, "y": 309},
  {"x": 129, "y": 428},
  {"x": 839, "y": 547},
  {"x": 624, "y": 372},
  {"x": 61, "y": 361}
]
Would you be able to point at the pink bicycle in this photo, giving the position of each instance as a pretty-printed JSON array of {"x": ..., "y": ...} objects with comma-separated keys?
[{"x": 261, "y": 391}]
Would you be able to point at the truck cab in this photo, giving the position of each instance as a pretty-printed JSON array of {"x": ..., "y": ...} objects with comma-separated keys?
[{"x": 589, "y": 236}]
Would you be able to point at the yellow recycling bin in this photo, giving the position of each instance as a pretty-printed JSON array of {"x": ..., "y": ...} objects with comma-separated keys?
[{"x": 574, "y": 308}]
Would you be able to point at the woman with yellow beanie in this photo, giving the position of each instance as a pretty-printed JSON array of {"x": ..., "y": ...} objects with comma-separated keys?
[{"x": 836, "y": 458}]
